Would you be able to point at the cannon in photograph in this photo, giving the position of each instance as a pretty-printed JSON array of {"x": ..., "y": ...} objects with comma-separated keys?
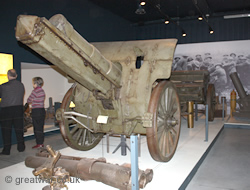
[{"x": 243, "y": 110}]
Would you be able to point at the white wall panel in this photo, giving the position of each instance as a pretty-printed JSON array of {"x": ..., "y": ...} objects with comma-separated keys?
[{"x": 55, "y": 83}]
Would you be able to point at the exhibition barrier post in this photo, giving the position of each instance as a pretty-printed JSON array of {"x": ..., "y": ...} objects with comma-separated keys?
[
  {"x": 223, "y": 107},
  {"x": 134, "y": 162},
  {"x": 196, "y": 111},
  {"x": 206, "y": 131}
]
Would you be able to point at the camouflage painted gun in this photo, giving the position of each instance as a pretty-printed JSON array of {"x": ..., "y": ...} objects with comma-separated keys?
[{"x": 120, "y": 87}]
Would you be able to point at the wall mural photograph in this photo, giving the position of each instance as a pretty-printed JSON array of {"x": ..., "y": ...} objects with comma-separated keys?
[{"x": 220, "y": 59}]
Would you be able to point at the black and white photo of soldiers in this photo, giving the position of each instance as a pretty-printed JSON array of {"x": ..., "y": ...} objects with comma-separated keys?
[
  {"x": 229, "y": 64},
  {"x": 243, "y": 69},
  {"x": 207, "y": 63},
  {"x": 180, "y": 63},
  {"x": 219, "y": 69},
  {"x": 218, "y": 77}
]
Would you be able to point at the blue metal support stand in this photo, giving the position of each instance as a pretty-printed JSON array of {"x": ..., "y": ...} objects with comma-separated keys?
[
  {"x": 206, "y": 133},
  {"x": 107, "y": 138},
  {"x": 134, "y": 162},
  {"x": 123, "y": 145},
  {"x": 139, "y": 145}
]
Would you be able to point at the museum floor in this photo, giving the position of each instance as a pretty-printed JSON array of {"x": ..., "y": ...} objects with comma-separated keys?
[{"x": 225, "y": 166}]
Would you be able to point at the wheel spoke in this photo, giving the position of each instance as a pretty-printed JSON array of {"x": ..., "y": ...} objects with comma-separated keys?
[
  {"x": 161, "y": 114},
  {"x": 164, "y": 146},
  {"x": 72, "y": 132},
  {"x": 171, "y": 139},
  {"x": 79, "y": 135},
  {"x": 165, "y": 102},
  {"x": 90, "y": 137},
  {"x": 170, "y": 97},
  {"x": 162, "y": 141},
  {"x": 81, "y": 138},
  {"x": 167, "y": 145},
  {"x": 161, "y": 111},
  {"x": 160, "y": 131},
  {"x": 171, "y": 105},
  {"x": 160, "y": 137},
  {"x": 84, "y": 137},
  {"x": 173, "y": 130},
  {"x": 173, "y": 111}
]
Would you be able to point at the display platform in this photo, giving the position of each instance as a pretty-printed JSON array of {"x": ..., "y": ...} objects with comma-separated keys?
[
  {"x": 239, "y": 122},
  {"x": 170, "y": 175}
]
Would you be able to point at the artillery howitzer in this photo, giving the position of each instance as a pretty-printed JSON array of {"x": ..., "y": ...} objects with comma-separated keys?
[{"x": 125, "y": 83}]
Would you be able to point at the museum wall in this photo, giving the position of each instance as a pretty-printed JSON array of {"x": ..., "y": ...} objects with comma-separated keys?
[
  {"x": 198, "y": 31},
  {"x": 55, "y": 83}
]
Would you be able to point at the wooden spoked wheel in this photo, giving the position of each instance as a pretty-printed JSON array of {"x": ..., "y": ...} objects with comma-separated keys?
[
  {"x": 211, "y": 101},
  {"x": 74, "y": 134},
  {"x": 163, "y": 136}
]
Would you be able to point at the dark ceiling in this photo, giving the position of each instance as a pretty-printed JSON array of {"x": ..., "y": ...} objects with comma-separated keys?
[{"x": 157, "y": 10}]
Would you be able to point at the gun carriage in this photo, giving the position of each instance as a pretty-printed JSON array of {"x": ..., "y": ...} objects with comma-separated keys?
[
  {"x": 194, "y": 86},
  {"x": 125, "y": 83}
]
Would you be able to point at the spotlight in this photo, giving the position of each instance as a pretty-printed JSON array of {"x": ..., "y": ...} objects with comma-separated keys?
[
  {"x": 167, "y": 21},
  {"x": 211, "y": 30},
  {"x": 142, "y": 3},
  {"x": 200, "y": 18},
  {"x": 184, "y": 33}
]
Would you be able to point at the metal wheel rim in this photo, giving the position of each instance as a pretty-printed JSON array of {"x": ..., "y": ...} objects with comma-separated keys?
[
  {"x": 75, "y": 136},
  {"x": 211, "y": 101},
  {"x": 162, "y": 137}
]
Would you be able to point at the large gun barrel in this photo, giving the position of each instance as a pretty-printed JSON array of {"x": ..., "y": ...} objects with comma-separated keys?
[
  {"x": 238, "y": 85},
  {"x": 118, "y": 176},
  {"x": 59, "y": 43}
]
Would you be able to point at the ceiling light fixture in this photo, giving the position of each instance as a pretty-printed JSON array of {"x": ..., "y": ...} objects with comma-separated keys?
[
  {"x": 211, "y": 30},
  {"x": 236, "y": 16},
  {"x": 166, "y": 21},
  {"x": 200, "y": 18},
  {"x": 142, "y": 3},
  {"x": 184, "y": 33}
]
